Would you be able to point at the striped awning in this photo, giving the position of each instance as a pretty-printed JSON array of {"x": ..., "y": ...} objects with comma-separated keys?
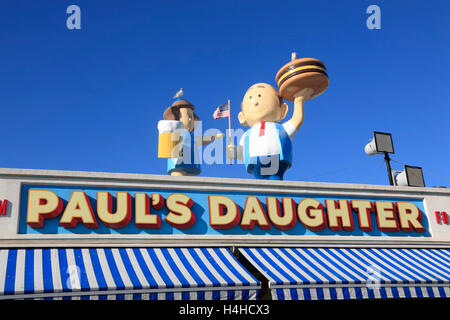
[
  {"x": 344, "y": 273},
  {"x": 124, "y": 273}
]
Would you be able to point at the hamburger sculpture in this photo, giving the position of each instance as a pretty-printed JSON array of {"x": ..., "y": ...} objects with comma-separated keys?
[{"x": 300, "y": 74}]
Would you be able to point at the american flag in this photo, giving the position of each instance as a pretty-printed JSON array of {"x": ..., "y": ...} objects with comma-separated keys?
[{"x": 222, "y": 111}]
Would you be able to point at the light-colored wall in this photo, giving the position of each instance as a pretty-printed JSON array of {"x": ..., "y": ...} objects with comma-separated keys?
[{"x": 435, "y": 199}]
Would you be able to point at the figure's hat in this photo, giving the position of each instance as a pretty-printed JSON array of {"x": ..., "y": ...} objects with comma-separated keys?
[{"x": 182, "y": 104}]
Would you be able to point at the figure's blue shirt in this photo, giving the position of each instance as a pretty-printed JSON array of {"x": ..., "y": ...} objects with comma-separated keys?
[{"x": 190, "y": 162}]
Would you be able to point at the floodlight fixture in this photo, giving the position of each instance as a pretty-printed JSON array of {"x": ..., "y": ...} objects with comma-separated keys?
[
  {"x": 381, "y": 143},
  {"x": 411, "y": 176}
]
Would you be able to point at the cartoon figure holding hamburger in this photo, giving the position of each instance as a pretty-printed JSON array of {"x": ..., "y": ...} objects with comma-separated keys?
[{"x": 266, "y": 148}]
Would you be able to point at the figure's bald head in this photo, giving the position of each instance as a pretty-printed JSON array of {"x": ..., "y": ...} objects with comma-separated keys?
[{"x": 262, "y": 102}]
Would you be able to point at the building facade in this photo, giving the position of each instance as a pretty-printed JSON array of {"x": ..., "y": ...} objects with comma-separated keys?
[{"x": 90, "y": 235}]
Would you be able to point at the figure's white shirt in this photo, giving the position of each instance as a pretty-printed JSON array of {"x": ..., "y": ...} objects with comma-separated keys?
[{"x": 267, "y": 144}]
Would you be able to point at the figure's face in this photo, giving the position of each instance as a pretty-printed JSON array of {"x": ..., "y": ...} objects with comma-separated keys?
[
  {"x": 261, "y": 103},
  {"x": 187, "y": 118}
]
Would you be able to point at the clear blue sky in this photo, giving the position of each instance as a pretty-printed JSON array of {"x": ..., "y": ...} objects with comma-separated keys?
[{"x": 90, "y": 99}]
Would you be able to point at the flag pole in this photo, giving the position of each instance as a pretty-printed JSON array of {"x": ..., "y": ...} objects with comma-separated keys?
[
  {"x": 229, "y": 119},
  {"x": 229, "y": 126}
]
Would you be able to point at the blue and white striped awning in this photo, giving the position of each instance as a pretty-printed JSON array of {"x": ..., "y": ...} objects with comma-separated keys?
[
  {"x": 124, "y": 273},
  {"x": 344, "y": 273}
]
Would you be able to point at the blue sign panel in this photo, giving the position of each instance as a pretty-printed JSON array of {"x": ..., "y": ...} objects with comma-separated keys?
[{"x": 53, "y": 209}]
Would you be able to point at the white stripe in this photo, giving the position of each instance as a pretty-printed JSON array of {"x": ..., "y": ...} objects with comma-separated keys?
[
  {"x": 196, "y": 267},
  {"x": 73, "y": 282},
  {"x": 294, "y": 265},
  {"x": 56, "y": 275},
  {"x": 19, "y": 285},
  {"x": 182, "y": 268},
  {"x": 38, "y": 272},
  {"x": 313, "y": 293},
  {"x": 412, "y": 291},
  {"x": 105, "y": 269},
  {"x": 300, "y": 294},
  {"x": 268, "y": 265},
  {"x": 282, "y": 266},
  {"x": 430, "y": 268},
  {"x": 326, "y": 293},
  {"x": 274, "y": 293},
  {"x": 122, "y": 270},
  {"x": 406, "y": 270},
  {"x": 287, "y": 294},
  {"x": 442, "y": 255},
  {"x": 208, "y": 295},
  {"x": 3, "y": 265},
  {"x": 364, "y": 293},
  {"x": 210, "y": 267},
  {"x": 436, "y": 292},
  {"x": 340, "y": 253},
  {"x": 167, "y": 268},
  {"x": 312, "y": 261},
  {"x": 137, "y": 269},
  {"x": 177, "y": 296},
  {"x": 306, "y": 265},
  {"x": 161, "y": 296},
  {"x": 225, "y": 269},
  {"x": 424, "y": 291},
  {"x": 92, "y": 280},
  {"x": 389, "y": 293},
  {"x": 240, "y": 269},
  {"x": 152, "y": 268},
  {"x": 433, "y": 255},
  {"x": 339, "y": 293},
  {"x": 223, "y": 295},
  {"x": 401, "y": 292},
  {"x": 342, "y": 266},
  {"x": 381, "y": 265},
  {"x": 447, "y": 291},
  {"x": 331, "y": 263},
  {"x": 351, "y": 292}
]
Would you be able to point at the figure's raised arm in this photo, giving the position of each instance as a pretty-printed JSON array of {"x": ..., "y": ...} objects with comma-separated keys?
[{"x": 299, "y": 113}]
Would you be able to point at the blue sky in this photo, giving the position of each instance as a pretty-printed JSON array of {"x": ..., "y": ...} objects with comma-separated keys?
[{"x": 90, "y": 99}]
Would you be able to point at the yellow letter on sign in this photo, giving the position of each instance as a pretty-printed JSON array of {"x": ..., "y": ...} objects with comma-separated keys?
[
  {"x": 180, "y": 215},
  {"x": 223, "y": 212},
  {"x": 254, "y": 214},
  {"x": 143, "y": 217},
  {"x": 78, "y": 210},
  {"x": 42, "y": 204},
  {"x": 410, "y": 217},
  {"x": 311, "y": 215},
  {"x": 123, "y": 213}
]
